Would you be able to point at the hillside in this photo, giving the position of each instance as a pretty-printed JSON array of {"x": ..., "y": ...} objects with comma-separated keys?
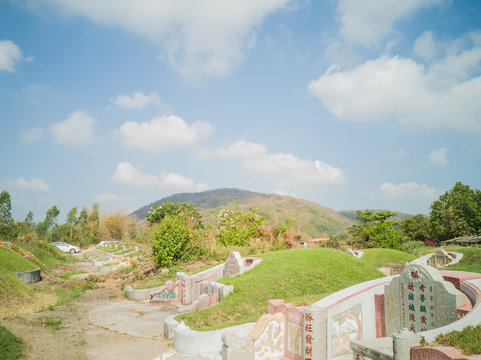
[{"x": 303, "y": 216}]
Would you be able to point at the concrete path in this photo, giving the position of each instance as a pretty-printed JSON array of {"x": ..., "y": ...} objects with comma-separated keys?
[{"x": 132, "y": 318}]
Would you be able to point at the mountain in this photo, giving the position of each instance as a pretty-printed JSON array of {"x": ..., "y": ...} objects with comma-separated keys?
[
  {"x": 303, "y": 216},
  {"x": 352, "y": 215}
]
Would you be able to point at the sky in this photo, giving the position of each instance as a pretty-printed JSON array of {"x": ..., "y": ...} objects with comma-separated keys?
[{"x": 352, "y": 104}]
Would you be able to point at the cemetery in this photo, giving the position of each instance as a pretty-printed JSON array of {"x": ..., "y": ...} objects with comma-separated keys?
[{"x": 385, "y": 318}]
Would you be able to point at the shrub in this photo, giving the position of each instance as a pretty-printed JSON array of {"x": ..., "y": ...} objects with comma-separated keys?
[
  {"x": 237, "y": 227},
  {"x": 186, "y": 211},
  {"x": 169, "y": 240}
]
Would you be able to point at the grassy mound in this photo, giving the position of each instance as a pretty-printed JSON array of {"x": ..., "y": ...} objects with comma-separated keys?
[
  {"x": 11, "y": 347},
  {"x": 301, "y": 276},
  {"x": 381, "y": 257},
  {"x": 468, "y": 340},
  {"x": 13, "y": 262},
  {"x": 13, "y": 292},
  {"x": 47, "y": 256},
  {"x": 471, "y": 260}
]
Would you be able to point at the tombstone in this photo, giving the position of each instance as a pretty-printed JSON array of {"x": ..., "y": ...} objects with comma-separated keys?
[
  {"x": 419, "y": 299},
  {"x": 234, "y": 264},
  {"x": 395, "y": 269},
  {"x": 314, "y": 343},
  {"x": 186, "y": 287}
]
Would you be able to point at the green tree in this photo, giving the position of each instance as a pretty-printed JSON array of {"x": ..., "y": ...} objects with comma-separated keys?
[
  {"x": 28, "y": 222},
  {"x": 49, "y": 221},
  {"x": 6, "y": 219},
  {"x": 71, "y": 221},
  {"x": 375, "y": 230},
  {"x": 416, "y": 227},
  {"x": 456, "y": 213},
  {"x": 94, "y": 223},
  {"x": 84, "y": 230}
]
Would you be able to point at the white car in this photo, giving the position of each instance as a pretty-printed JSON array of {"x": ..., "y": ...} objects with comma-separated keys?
[{"x": 67, "y": 247}]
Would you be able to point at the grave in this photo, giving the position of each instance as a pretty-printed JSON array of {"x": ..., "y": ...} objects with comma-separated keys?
[
  {"x": 440, "y": 259},
  {"x": 234, "y": 264},
  {"x": 419, "y": 299},
  {"x": 394, "y": 269}
]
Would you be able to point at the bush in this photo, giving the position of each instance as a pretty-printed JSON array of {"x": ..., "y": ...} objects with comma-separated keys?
[
  {"x": 169, "y": 240},
  {"x": 237, "y": 228}
]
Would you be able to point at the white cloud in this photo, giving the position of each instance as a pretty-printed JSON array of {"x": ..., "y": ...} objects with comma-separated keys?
[
  {"x": 161, "y": 133},
  {"x": 443, "y": 96},
  {"x": 201, "y": 38},
  {"x": 284, "y": 171},
  {"x": 10, "y": 54},
  {"x": 179, "y": 182},
  {"x": 438, "y": 157},
  {"x": 137, "y": 101},
  {"x": 424, "y": 46},
  {"x": 410, "y": 191},
  {"x": 32, "y": 135},
  {"x": 368, "y": 22},
  {"x": 242, "y": 149},
  {"x": 289, "y": 170},
  {"x": 77, "y": 130},
  {"x": 35, "y": 184},
  {"x": 126, "y": 174}
]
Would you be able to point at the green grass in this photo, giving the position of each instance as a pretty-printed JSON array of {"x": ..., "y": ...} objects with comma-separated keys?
[
  {"x": 13, "y": 292},
  {"x": 53, "y": 322},
  {"x": 471, "y": 260},
  {"x": 468, "y": 340},
  {"x": 301, "y": 276},
  {"x": 381, "y": 257},
  {"x": 14, "y": 262},
  {"x": 11, "y": 346}
]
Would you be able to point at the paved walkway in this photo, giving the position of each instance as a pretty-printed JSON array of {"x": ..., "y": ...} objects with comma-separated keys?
[{"x": 132, "y": 318}]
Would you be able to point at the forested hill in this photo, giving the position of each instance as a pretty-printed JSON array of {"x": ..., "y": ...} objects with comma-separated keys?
[{"x": 303, "y": 216}]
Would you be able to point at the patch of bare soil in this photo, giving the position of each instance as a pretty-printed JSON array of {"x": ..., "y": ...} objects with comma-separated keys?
[{"x": 66, "y": 333}]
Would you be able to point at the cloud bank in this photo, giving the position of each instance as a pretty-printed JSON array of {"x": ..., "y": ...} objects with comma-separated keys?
[
  {"x": 443, "y": 95},
  {"x": 201, "y": 38},
  {"x": 127, "y": 174},
  {"x": 162, "y": 133}
]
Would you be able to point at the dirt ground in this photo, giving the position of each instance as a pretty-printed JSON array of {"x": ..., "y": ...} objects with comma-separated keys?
[{"x": 66, "y": 332}]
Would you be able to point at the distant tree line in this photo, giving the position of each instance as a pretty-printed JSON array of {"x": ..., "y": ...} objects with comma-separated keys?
[
  {"x": 80, "y": 228},
  {"x": 456, "y": 213}
]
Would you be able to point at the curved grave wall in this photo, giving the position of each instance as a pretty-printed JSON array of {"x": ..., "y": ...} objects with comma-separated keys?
[{"x": 29, "y": 277}]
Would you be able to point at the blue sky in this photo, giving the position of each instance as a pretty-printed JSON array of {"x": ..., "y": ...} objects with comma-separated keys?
[{"x": 351, "y": 104}]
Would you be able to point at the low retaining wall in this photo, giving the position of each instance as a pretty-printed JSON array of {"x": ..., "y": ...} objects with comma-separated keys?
[
  {"x": 29, "y": 277},
  {"x": 139, "y": 294},
  {"x": 197, "y": 342}
]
